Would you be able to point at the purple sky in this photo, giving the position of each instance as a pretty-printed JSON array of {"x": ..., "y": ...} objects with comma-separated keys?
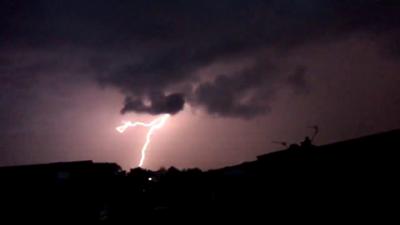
[{"x": 250, "y": 72}]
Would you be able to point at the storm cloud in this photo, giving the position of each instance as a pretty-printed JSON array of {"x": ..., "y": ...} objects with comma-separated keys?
[
  {"x": 152, "y": 51},
  {"x": 238, "y": 73},
  {"x": 158, "y": 104}
]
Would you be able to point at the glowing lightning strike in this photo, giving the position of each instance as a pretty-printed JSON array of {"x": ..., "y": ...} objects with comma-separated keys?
[{"x": 153, "y": 125}]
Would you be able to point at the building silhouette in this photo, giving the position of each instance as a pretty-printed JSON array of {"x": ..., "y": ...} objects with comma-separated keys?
[{"x": 350, "y": 178}]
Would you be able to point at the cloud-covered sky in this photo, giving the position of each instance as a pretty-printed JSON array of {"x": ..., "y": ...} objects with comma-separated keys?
[{"x": 236, "y": 74}]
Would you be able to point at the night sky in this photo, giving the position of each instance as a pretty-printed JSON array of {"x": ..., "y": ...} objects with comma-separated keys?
[{"x": 236, "y": 75}]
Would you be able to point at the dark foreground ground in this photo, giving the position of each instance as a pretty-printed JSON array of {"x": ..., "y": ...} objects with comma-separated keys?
[{"x": 349, "y": 181}]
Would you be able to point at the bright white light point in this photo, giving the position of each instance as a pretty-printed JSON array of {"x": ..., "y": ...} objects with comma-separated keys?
[
  {"x": 153, "y": 125},
  {"x": 150, "y": 179}
]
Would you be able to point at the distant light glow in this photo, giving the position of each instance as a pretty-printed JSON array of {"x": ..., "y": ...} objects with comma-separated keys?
[{"x": 153, "y": 125}]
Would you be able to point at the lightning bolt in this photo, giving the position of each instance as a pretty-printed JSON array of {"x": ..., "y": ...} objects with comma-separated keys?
[{"x": 153, "y": 126}]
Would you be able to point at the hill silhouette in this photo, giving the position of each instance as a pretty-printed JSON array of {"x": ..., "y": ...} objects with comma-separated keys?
[{"x": 350, "y": 179}]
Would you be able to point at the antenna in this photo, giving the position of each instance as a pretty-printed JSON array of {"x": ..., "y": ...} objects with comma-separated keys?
[
  {"x": 316, "y": 131},
  {"x": 283, "y": 143}
]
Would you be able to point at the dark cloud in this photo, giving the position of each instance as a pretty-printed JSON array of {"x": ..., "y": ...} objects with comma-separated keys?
[
  {"x": 238, "y": 95},
  {"x": 391, "y": 46},
  {"x": 158, "y": 103},
  {"x": 297, "y": 80},
  {"x": 146, "y": 47}
]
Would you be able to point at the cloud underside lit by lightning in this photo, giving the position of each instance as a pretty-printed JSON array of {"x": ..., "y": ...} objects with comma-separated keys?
[{"x": 153, "y": 126}]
